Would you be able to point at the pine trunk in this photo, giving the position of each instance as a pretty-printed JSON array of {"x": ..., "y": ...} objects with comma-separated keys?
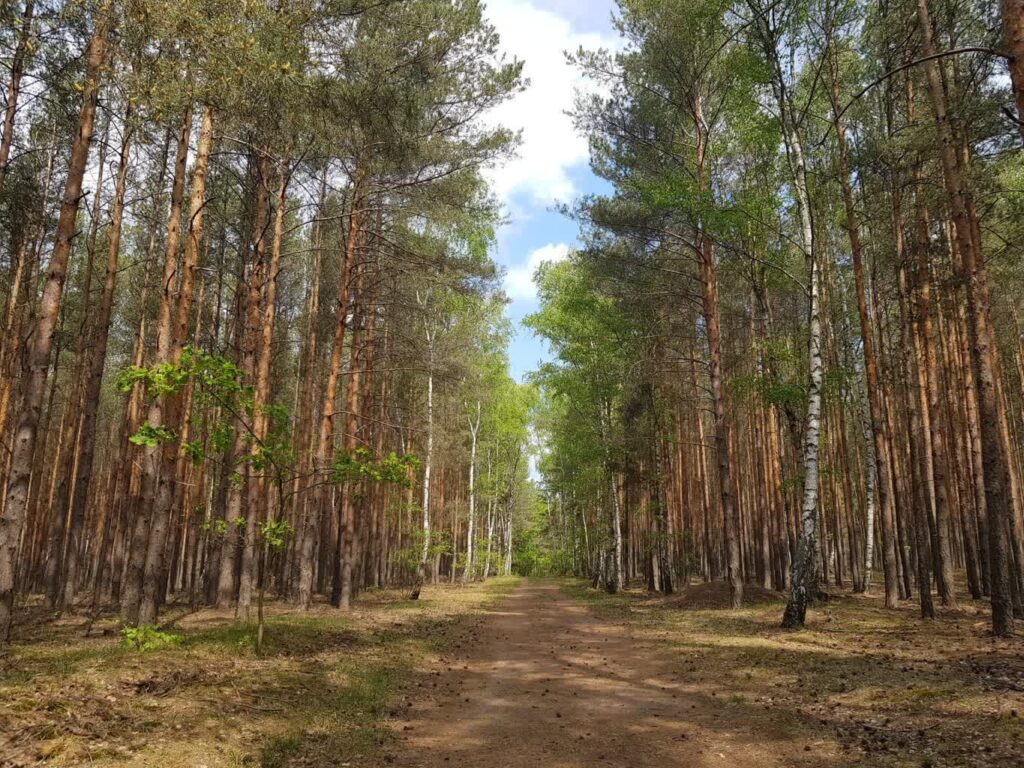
[{"x": 41, "y": 343}]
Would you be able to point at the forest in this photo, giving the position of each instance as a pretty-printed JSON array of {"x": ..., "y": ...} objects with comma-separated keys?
[
  {"x": 249, "y": 304},
  {"x": 259, "y": 412},
  {"x": 789, "y": 348}
]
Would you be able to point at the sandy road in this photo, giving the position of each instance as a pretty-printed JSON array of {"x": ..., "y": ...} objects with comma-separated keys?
[{"x": 547, "y": 684}]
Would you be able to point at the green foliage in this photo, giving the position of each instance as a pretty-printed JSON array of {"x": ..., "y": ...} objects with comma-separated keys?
[
  {"x": 785, "y": 394},
  {"x": 220, "y": 438},
  {"x": 194, "y": 451},
  {"x": 217, "y": 527},
  {"x": 160, "y": 380},
  {"x": 150, "y": 436},
  {"x": 361, "y": 465},
  {"x": 276, "y": 533},
  {"x": 217, "y": 380},
  {"x": 440, "y": 544},
  {"x": 147, "y": 638},
  {"x": 536, "y": 549}
]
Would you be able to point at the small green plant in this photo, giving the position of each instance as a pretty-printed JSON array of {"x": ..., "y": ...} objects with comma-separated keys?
[
  {"x": 276, "y": 533},
  {"x": 217, "y": 527},
  {"x": 150, "y": 436},
  {"x": 147, "y": 638}
]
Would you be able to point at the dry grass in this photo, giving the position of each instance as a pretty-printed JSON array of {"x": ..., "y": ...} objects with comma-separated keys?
[
  {"x": 871, "y": 686},
  {"x": 887, "y": 687},
  {"x": 318, "y": 695}
]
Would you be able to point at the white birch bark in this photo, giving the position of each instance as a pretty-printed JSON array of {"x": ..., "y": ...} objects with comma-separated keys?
[
  {"x": 490, "y": 519},
  {"x": 474, "y": 429},
  {"x": 804, "y": 572},
  {"x": 869, "y": 493},
  {"x": 614, "y": 582},
  {"x": 430, "y": 334},
  {"x": 804, "y": 566}
]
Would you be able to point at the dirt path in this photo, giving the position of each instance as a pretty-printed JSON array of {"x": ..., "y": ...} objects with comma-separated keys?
[{"x": 546, "y": 684}]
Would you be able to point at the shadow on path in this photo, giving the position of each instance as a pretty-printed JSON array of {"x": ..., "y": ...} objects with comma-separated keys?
[{"x": 550, "y": 685}]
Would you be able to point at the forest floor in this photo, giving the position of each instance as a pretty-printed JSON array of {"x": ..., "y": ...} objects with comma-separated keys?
[
  {"x": 535, "y": 674},
  {"x": 319, "y": 694},
  {"x": 574, "y": 678}
]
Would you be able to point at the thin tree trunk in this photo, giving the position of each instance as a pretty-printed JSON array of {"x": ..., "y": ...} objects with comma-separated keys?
[
  {"x": 14, "y": 88},
  {"x": 929, "y": 372},
  {"x": 474, "y": 428},
  {"x": 304, "y": 437},
  {"x": 879, "y": 434},
  {"x": 98, "y": 352},
  {"x": 325, "y": 443},
  {"x": 428, "y": 465}
]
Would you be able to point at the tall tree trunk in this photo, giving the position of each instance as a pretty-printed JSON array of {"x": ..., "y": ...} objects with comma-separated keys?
[
  {"x": 804, "y": 583},
  {"x": 306, "y": 518},
  {"x": 348, "y": 529},
  {"x": 428, "y": 466},
  {"x": 131, "y": 595},
  {"x": 66, "y": 460},
  {"x": 168, "y": 412},
  {"x": 712, "y": 319},
  {"x": 237, "y": 566},
  {"x": 709, "y": 284},
  {"x": 983, "y": 351},
  {"x": 474, "y": 428},
  {"x": 490, "y": 523},
  {"x": 929, "y": 372},
  {"x": 879, "y": 433},
  {"x": 325, "y": 442},
  {"x": 257, "y": 490},
  {"x": 98, "y": 352},
  {"x": 41, "y": 344},
  {"x": 615, "y": 577},
  {"x": 921, "y": 501}
]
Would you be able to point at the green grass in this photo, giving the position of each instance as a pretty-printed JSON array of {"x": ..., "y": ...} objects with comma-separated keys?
[
  {"x": 605, "y": 605},
  {"x": 278, "y": 749},
  {"x": 317, "y": 695}
]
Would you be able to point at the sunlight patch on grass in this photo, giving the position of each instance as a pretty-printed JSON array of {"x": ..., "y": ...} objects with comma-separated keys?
[
  {"x": 318, "y": 694},
  {"x": 879, "y": 682}
]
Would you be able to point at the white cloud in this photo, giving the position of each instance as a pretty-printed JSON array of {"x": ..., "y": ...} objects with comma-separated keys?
[
  {"x": 519, "y": 283},
  {"x": 550, "y": 145}
]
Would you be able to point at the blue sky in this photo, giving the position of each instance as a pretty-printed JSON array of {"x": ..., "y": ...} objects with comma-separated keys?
[{"x": 552, "y": 163}]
